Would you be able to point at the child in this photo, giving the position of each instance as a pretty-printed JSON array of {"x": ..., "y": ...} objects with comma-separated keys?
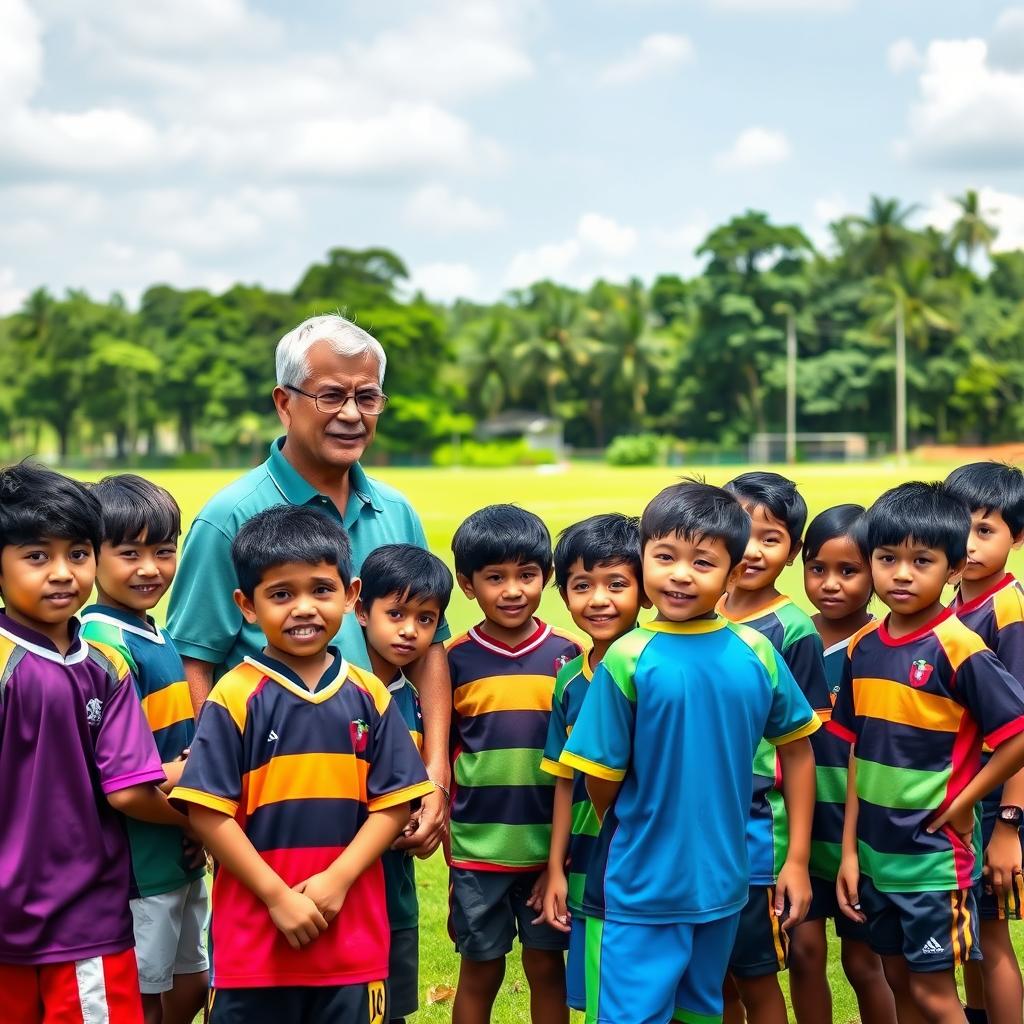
[
  {"x": 837, "y": 579},
  {"x": 74, "y": 750},
  {"x": 666, "y": 736},
  {"x": 919, "y": 693},
  {"x": 405, "y": 591},
  {"x": 598, "y": 571},
  {"x": 503, "y": 676},
  {"x": 300, "y": 777},
  {"x": 779, "y": 846},
  {"x": 136, "y": 564},
  {"x": 990, "y": 602}
]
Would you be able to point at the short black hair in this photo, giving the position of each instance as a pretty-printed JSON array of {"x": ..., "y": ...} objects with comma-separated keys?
[
  {"x": 692, "y": 510},
  {"x": 608, "y": 539},
  {"x": 288, "y": 533},
  {"x": 837, "y": 521},
  {"x": 411, "y": 572},
  {"x": 501, "y": 533},
  {"x": 36, "y": 502},
  {"x": 923, "y": 513},
  {"x": 991, "y": 487},
  {"x": 134, "y": 507},
  {"x": 778, "y": 494}
]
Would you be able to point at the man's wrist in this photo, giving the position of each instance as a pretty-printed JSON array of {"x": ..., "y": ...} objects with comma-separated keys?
[{"x": 442, "y": 788}]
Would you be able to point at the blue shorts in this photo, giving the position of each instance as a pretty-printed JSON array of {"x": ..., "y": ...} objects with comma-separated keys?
[
  {"x": 651, "y": 973},
  {"x": 762, "y": 947},
  {"x": 576, "y": 964},
  {"x": 991, "y": 908},
  {"x": 825, "y": 903}
]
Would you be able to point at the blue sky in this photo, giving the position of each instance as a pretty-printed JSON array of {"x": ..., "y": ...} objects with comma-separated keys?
[{"x": 488, "y": 143}]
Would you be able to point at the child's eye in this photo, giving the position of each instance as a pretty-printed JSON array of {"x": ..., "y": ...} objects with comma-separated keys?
[
  {"x": 394, "y": 613},
  {"x": 129, "y": 553},
  {"x": 166, "y": 552},
  {"x": 81, "y": 554},
  {"x": 703, "y": 563},
  {"x": 580, "y": 587},
  {"x": 426, "y": 620},
  {"x": 280, "y": 595},
  {"x": 35, "y": 556}
]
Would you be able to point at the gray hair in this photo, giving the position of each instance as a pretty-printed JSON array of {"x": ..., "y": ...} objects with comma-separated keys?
[{"x": 344, "y": 337}]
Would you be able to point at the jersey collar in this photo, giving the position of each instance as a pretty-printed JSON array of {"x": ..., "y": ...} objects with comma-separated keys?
[
  {"x": 36, "y": 643},
  {"x": 531, "y": 643},
  {"x": 399, "y": 682},
  {"x": 123, "y": 620},
  {"x": 772, "y": 606},
  {"x": 928, "y": 627},
  {"x": 961, "y": 607},
  {"x": 327, "y": 685},
  {"x": 691, "y": 627}
]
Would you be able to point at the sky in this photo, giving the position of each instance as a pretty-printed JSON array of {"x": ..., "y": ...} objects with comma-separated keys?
[{"x": 489, "y": 143}]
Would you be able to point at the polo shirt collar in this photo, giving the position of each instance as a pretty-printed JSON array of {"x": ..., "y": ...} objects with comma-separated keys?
[{"x": 297, "y": 490}]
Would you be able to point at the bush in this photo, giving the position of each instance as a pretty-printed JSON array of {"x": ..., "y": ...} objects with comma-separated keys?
[
  {"x": 637, "y": 450},
  {"x": 492, "y": 454}
]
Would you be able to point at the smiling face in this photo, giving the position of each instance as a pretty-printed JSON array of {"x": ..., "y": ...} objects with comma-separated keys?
[
  {"x": 46, "y": 581},
  {"x": 684, "y": 578},
  {"x": 988, "y": 546},
  {"x": 299, "y": 607},
  {"x": 133, "y": 576},
  {"x": 838, "y": 580},
  {"x": 400, "y": 630},
  {"x": 909, "y": 578},
  {"x": 603, "y": 600},
  {"x": 508, "y": 594},
  {"x": 768, "y": 552}
]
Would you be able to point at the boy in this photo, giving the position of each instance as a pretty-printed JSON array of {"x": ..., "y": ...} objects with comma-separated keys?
[
  {"x": 669, "y": 875},
  {"x": 136, "y": 564},
  {"x": 780, "y": 848},
  {"x": 598, "y": 572},
  {"x": 503, "y": 676},
  {"x": 404, "y": 593},
  {"x": 74, "y": 750},
  {"x": 990, "y": 602},
  {"x": 300, "y": 777},
  {"x": 919, "y": 693}
]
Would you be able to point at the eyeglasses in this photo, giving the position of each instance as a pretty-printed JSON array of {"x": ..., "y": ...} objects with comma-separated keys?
[{"x": 369, "y": 401}]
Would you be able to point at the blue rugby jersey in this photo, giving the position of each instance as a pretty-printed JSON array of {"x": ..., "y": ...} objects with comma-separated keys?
[{"x": 675, "y": 712}]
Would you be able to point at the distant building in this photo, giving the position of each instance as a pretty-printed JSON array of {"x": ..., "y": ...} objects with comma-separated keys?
[{"x": 540, "y": 432}]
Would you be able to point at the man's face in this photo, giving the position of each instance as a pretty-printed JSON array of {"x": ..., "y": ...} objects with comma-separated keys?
[{"x": 338, "y": 440}]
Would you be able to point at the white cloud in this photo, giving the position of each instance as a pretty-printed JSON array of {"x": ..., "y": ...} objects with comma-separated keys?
[
  {"x": 1006, "y": 45},
  {"x": 903, "y": 55},
  {"x": 684, "y": 238},
  {"x": 21, "y": 53},
  {"x": 656, "y": 54},
  {"x": 445, "y": 282},
  {"x": 755, "y": 147},
  {"x": 1004, "y": 210},
  {"x": 11, "y": 294},
  {"x": 825, "y": 211},
  {"x": 968, "y": 112},
  {"x": 551, "y": 260},
  {"x": 605, "y": 235},
  {"x": 781, "y": 6},
  {"x": 436, "y": 208}
]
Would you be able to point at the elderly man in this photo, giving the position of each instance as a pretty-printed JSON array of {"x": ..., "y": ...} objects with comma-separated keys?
[{"x": 329, "y": 397}]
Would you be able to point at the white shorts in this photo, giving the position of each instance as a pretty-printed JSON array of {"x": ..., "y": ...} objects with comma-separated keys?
[{"x": 170, "y": 935}]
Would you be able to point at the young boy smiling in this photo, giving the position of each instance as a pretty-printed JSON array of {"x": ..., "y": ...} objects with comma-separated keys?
[
  {"x": 503, "y": 676},
  {"x": 670, "y": 872},
  {"x": 300, "y": 776},
  {"x": 919, "y": 694}
]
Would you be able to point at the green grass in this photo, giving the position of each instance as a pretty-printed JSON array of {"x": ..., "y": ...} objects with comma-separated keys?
[{"x": 444, "y": 497}]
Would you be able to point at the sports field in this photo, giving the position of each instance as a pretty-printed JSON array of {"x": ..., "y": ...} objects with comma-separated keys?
[{"x": 444, "y": 497}]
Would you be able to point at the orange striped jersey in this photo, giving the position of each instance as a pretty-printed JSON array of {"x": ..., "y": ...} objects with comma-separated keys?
[
  {"x": 299, "y": 771},
  {"x": 917, "y": 709},
  {"x": 502, "y": 800}
]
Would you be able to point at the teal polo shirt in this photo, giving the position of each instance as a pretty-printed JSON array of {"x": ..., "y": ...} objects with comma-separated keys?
[{"x": 203, "y": 620}]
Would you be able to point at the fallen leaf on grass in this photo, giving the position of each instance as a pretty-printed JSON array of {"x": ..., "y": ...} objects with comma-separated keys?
[{"x": 439, "y": 994}]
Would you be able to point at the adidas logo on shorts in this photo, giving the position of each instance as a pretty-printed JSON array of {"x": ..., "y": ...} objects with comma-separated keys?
[{"x": 932, "y": 946}]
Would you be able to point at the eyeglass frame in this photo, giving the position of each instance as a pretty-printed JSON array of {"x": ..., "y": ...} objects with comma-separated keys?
[{"x": 348, "y": 397}]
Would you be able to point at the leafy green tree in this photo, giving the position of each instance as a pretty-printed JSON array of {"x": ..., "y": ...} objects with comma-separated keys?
[{"x": 971, "y": 231}]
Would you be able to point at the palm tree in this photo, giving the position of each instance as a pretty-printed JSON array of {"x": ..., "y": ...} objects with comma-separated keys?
[
  {"x": 971, "y": 231},
  {"x": 882, "y": 241}
]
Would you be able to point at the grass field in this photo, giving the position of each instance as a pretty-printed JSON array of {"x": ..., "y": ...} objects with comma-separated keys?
[{"x": 444, "y": 497}]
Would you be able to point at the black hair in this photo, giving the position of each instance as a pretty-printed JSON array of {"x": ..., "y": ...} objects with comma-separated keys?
[
  {"x": 501, "y": 533},
  {"x": 776, "y": 493},
  {"x": 609, "y": 539},
  {"x": 693, "y": 510},
  {"x": 837, "y": 521},
  {"x": 411, "y": 572},
  {"x": 288, "y": 533},
  {"x": 991, "y": 487},
  {"x": 36, "y": 502},
  {"x": 135, "y": 508},
  {"x": 923, "y": 513}
]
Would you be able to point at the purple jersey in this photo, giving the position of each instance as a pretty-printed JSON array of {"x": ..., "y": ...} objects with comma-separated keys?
[{"x": 71, "y": 731}]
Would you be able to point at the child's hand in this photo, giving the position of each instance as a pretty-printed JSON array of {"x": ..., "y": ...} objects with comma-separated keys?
[
  {"x": 297, "y": 917},
  {"x": 326, "y": 893},
  {"x": 959, "y": 819},
  {"x": 535, "y": 901},
  {"x": 410, "y": 829},
  {"x": 794, "y": 888},
  {"x": 1002, "y": 860},
  {"x": 847, "y": 884},
  {"x": 554, "y": 911},
  {"x": 195, "y": 854}
]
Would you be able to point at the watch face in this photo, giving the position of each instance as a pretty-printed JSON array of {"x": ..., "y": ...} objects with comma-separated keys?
[{"x": 1011, "y": 815}]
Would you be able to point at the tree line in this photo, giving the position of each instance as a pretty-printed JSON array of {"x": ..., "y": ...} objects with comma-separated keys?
[{"x": 701, "y": 359}]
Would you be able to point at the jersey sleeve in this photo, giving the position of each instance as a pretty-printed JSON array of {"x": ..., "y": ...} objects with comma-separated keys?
[
  {"x": 212, "y": 776},
  {"x": 558, "y": 730},
  {"x": 1009, "y": 639},
  {"x": 203, "y": 619},
  {"x": 791, "y": 716},
  {"x": 844, "y": 722},
  {"x": 994, "y": 698},
  {"x": 107, "y": 633},
  {"x": 396, "y": 773},
  {"x": 601, "y": 743},
  {"x": 805, "y": 657},
  {"x": 124, "y": 751}
]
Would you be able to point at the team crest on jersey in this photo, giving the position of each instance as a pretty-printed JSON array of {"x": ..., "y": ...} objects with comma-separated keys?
[
  {"x": 359, "y": 732},
  {"x": 560, "y": 662},
  {"x": 94, "y": 711},
  {"x": 920, "y": 672}
]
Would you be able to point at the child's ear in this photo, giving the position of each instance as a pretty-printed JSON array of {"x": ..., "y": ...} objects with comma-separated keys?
[
  {"x": 645, "y": 601},
  {"x": 956, "y": 570},
  {"x": 1018, "y": 541},
  {"x": 794, "y": 551},
  {"x": 245, "y": 606},
  {"x": 352, "y": 594},
  {"x": 734, "y": 575},
  {"x": 466, "y": 586},
  {"x": 361, "y": 617}
]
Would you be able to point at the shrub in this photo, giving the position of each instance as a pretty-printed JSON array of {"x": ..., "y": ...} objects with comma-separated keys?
[
  {"x": 637, "y": 450},
  {"x": 491, "y": 454}
]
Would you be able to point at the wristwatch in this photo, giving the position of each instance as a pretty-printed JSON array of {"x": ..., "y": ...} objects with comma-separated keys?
[{"x": 1010, "y": 815}]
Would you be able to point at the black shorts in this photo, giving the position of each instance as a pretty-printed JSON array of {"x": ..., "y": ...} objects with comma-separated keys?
[
  {"x": 991, "y": 908},
  {"x": 825, "y": 903},
  {"x": 299, "y": 1004},
  {"x": 932, "y": 931},
  {"x": 404, "y": 972},
  {"x": 762, "y": 947},
  {"x": 487, "y": 910}
]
